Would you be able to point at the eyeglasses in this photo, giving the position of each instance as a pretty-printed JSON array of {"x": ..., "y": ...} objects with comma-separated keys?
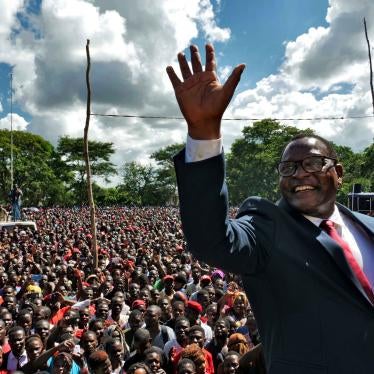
[{"x": 311, "y": 164}]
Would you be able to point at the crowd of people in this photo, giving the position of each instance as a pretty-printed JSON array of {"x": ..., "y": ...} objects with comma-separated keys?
[{"x": 149, "y": 307}]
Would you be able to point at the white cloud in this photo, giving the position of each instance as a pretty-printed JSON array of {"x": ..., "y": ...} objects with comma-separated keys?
[
  {"x": 213, "y": 33},
  {"x": 131, "y": 43},
  {"x": 224, "y": 72},
  {"x": 18, "y": 122},
  {"x": 325, "y": 73}
]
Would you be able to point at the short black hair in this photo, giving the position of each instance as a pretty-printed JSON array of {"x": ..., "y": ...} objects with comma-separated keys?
[
  {"x": 142, "y": 335},
  {"x": 232, "y": 353},
  {"x": 16, "y": 329},
  {"x": 139, "y": 365},
  {"x": 196, "y": 328},
  {"x": 185, "y": 361},
  {"x": 331, "y": 152},
  {"x": 156, "y": 350},
  {"x": 182, "y": 318}
]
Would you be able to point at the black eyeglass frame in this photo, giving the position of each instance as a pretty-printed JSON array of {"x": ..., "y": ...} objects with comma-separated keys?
[{"x": 301, "y": 162}]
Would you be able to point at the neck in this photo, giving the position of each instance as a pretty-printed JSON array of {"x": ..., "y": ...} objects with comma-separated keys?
[{"x": 221, "y": 340}]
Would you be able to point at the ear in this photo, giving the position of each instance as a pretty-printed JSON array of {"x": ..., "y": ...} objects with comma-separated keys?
[{"x": 339, "y": 171}]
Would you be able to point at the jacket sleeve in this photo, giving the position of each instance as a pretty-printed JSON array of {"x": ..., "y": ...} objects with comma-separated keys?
[{"x": 238, "y": 245}]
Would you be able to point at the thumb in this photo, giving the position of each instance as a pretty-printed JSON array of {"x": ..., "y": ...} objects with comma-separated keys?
[{"x": 232, "y": 81}]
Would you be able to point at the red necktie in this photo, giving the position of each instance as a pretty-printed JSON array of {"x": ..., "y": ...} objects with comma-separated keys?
[{"x": 328, "y": 226}]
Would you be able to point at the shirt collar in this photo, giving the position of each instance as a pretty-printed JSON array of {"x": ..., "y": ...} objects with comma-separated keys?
[
  {"x": 335, "y": 217},
  {"x": 23, "y": 355}
]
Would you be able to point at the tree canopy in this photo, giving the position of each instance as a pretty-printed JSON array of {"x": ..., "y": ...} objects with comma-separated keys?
[{"x": 56, "y": 176}]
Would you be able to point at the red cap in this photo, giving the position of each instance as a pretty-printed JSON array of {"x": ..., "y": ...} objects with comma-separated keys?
[
  {"x": 167, "y": 277},
  {"x": 137, "y": 303},
  {"x": 194, "y": 305},
  {"x": 206, "y": 277}
]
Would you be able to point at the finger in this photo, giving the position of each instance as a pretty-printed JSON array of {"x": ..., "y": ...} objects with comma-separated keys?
[
  {"x": 195, "y": 59},
  {"x": 175, "y": 81},
  {"x": 232, "y": 81},
  {"x": 183, "y": 64},
  {"x": 210, "y": 58}
]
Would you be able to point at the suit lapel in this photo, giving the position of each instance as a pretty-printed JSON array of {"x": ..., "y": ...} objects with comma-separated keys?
[
  {"x": 333, "y": 248},
  {"x": 364, "y": 221}
]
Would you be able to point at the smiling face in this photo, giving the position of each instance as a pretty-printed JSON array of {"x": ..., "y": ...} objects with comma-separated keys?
[{"x": 310, "y": 193}]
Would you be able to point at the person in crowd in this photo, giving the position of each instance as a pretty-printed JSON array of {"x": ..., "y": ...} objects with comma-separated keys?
[
  {"x": 15, "y": 196},
  {"x": 205, "y": 281},
  {"x": 62, "y": 363},
  {"x": 17, "y": 356},
  {"x": 168, "y": 290},
  {"x": 116, "y": 353},
  {"x": 154, "y": 359},
  {"x": 231, "y": 363},
  {"x": 160, "y": 334},
  {"x": 115, "y": 333},
  {"x": 142, "y": 341},
  {"x": 166, "y": 309},
  {"x": 180, "y": 282},
  {"x": 195, "y": 353},
  {"x": 237, "y": 342},
  {"x": 89, "y": 344},
  {"x": 99, "y": 363},
  {"x": 136, "y": 320},
  {"x": 211, "y": 315},
  {"x": 196, "y": 335},
  {"x": 240, "y": 309},
  {"x": 193, "y": 312},
  {"x": 203, "y": 298},
  {"x": 178, "y": 309},
  {"x": 5, "y": 347},
  {"x": 175, "y": 346},
  {"x": 218, "y": 345},
  {"x": 139, "y": 368},
  {"x": 186, "y": 366}
]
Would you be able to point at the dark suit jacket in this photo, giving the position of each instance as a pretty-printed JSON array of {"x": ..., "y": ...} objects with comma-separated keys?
[{"x": 312, "y": 314}]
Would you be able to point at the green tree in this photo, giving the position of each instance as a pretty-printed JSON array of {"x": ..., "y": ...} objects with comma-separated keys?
[
  {"x": 367, "y": 167},
  {"x": 33, "y": 161},
  {"x": 252, "y": 162},
  {"x": 165, "y": 173},
  {"x": 138, "y": 185},
  {"x": 353, "y": 165},
  {"x": 70, "y": 151}
]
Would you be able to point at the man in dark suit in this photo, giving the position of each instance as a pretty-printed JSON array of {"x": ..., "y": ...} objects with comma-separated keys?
[{"x": 310, "y": 286}]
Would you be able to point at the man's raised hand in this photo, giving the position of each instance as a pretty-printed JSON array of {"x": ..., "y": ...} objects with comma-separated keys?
[{"x": 201, "y": 97}]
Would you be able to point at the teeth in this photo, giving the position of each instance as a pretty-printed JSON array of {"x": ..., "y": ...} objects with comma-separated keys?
[{"x": 303, "y": 188}]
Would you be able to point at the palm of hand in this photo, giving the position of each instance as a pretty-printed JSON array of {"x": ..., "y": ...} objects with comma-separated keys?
[{"x": 201, "y": 98}]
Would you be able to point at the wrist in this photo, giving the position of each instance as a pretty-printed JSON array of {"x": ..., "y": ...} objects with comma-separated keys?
[{"x": 205, "y": 131}]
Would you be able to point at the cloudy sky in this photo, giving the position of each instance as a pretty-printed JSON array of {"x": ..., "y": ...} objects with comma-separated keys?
[{"x": 305, "y": 59}]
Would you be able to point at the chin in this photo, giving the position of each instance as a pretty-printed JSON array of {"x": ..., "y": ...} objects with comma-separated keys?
[
  {"x": 314, "y": 210},
  {"x": 309, "y": 209}
]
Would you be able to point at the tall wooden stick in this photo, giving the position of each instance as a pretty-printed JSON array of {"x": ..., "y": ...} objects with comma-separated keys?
[
  {"x": 87, "y": 160},
  {"x": 371, "y": 67}
]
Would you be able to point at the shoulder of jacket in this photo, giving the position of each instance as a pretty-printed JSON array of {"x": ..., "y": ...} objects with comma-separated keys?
[{"x": 256, "y": 203}]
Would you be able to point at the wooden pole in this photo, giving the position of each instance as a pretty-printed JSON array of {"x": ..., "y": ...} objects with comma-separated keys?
[
  {"x": 371, "y": 66},
  {"x": 87, "y": 161}
]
